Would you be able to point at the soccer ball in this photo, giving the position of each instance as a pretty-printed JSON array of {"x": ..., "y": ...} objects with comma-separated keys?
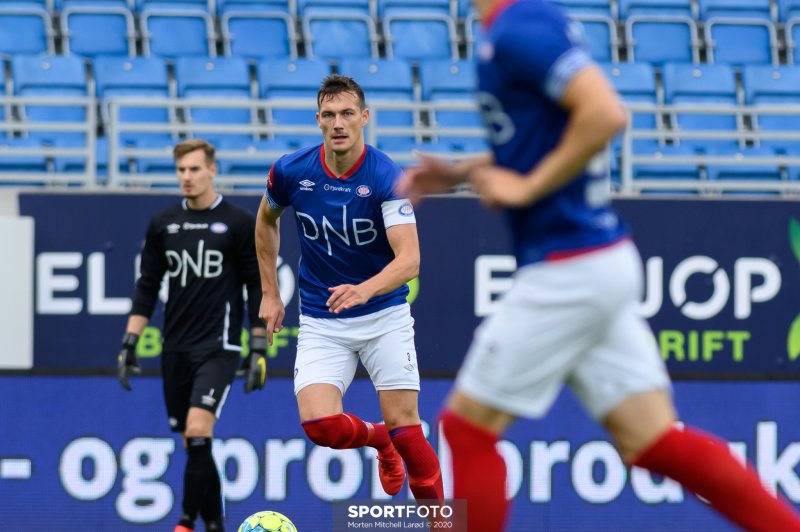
[{"x": 267, "y": 521}]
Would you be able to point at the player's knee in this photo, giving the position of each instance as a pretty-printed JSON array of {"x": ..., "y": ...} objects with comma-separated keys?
[
  {"x": 197, "y": 429},
  {"x": 326, "y": 431}
]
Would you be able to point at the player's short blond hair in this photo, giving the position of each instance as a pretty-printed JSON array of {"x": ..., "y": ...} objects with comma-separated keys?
[{"x": 189, "y": 145}]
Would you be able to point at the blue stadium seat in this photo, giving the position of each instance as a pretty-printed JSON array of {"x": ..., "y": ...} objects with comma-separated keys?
[
  {"x": 241, "y": 166},
  {"x": 283, "y": 6},
  {"x": 25, "y": 29},
  {"x": 162, "y": 163},
  {"x": 788, "y": 9},
  {"x": 437, "y": 6},
  {"x": 299, "y": 78},
  {"x": 142, "y": 5},
  {"x": 764, "y": 85},
  {"x": 258, "y": 34},
  {"x": 668, "y": 170},
  {"x": 339, "y": 33},
  {"x": 12, "y": 161},
  {"x": 385, "y": 80},
  {"x": 51, "y": 76},
  {"x": 599, "y": 34},
  {"x": 134, "y": 77},
  {"x": 739, "y": 32},
  {"x": 102, "y": 29},
  {"x": 223, "y": 78},
  {"x": 443, "y": 81},
  {"x": 659, "y": 31},
  {"x": 708, "y": 85},
  {"x": 360, "y": 7},
  {"x": 588, "y": 7},
  {"x": 419, "y": 34},
  {"x": 635, "y": 83},
  {"x": 177, "y": 31},
  {"x": 743, "y": 168}
]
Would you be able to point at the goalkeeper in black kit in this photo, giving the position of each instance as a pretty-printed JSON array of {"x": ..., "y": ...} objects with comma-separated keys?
[{"x": 205, "y": 246}]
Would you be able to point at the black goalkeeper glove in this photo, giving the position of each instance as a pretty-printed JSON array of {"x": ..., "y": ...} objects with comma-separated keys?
[
  {"x": 127, "y": 361},
  {"x": 255, "y": 365}
]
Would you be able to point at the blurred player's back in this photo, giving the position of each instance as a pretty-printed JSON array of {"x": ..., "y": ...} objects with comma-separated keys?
[{"x": 523, "y": 69}]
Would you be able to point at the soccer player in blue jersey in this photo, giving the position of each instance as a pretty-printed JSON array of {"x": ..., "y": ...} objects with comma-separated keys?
[
  {"x": 359, "y": 248},
  {"x": 569, "y": 317}
]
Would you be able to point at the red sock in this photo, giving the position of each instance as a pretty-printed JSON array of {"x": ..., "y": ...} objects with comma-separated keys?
[
  {"x": 346, "y": 431},
  {"x": 479, "y": 473},
  {"x": 424, "y": 475},
  {"x": 703, "y": 464}
]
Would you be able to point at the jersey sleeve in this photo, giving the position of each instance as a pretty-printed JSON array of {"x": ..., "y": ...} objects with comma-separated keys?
[
  {"x": 396, "y": 209},
  {"x": 546, "y": 52},
  {"x": 153, "y": 266},
  {"x": 276, "y": 191}
]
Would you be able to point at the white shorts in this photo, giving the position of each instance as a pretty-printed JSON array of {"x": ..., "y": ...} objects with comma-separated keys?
[
  {"x": 328, "y": 350},
  {"x": 571, "y": 321}
]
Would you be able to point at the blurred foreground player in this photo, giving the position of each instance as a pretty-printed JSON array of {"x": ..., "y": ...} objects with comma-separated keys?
[
  {"x": 206, "y": 246},
  {"x": 359, "y": 248},
  {"x": 569, "y": 317}
]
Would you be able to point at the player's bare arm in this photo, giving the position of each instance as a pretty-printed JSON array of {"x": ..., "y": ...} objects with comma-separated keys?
[
  {"x": 433, "y": 175},
  {"x": 271, "y": 311},
  {"x": 405, "y": 266},
  {"x": 596, "y": 115},
  {"x": 136, "y": 324}
]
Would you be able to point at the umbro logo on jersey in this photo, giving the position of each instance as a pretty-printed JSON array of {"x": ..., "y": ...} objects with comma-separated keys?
[
  {"x": 305, "y": 184},
  {"x": 363, "y": 191},
  {"x": 173, "y": 228}
]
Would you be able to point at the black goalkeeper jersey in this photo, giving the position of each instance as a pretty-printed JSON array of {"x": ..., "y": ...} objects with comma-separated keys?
[{"x": 208, "y": 256}]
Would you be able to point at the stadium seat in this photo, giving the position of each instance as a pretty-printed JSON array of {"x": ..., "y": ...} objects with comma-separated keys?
[
  {"x": 419, "y": 34},
  {"x": 765, "y": 85},
  {"x": 788, "y": 9},
  {"x": 221, "y": 78},
  {"x": 636, "y": 84},
  {"x": 231, "y": 165},
  {"x": 102, "y": 29},
  {"x": 25, "y": 29},
  {"x": 51, "y": 76},
  {"x": 339, "y": 33},
  {"x": 142, "y": 5},
  {"x": 739, "y": 32},
  {"x": 439, "y": 6},
  {"x": 362, "y": 7},
  {"x": 12, "y": 161},
  {"x": 297, "y": 79},
  {"x": 172, "y": 31},
  {"x": 134, "y": 77},
  {"x": 667, "y": 170},
  {"x": 588, "y": 7},
  {"x": 743, "y": 168},
  {"x": 599, "y": 35},
  {"x": 659, "y": 31},
  {"x": 452, "y": 81},
  {"x": 284, "y": 6},
  {"x": 258, "y": 34},
  {"x": 709, "y": 85},
  {"x": 385, "y": 80}
]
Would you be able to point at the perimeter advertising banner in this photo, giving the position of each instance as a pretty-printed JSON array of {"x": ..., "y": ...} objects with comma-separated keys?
[
  {"x": 722, "y": 280},
  {"x": 79, "y": 454}
]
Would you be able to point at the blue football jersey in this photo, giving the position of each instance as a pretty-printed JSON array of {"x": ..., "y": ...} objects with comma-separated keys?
[
  {"x": 527, "y": 56},
  {"x": 341, "y": 224}
]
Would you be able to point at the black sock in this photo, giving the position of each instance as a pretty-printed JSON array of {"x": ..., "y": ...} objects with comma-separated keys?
[{"x": 201, "y": 483}]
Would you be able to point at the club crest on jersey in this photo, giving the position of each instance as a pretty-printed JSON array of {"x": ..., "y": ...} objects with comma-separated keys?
[
  {"x": 173, "y": 228},
  {"x": 406, "y": 209},
  {"x": 305, "y": 184},
  {"x": 485, "y": 51},
  {"x": 363, "y": 191},
  {"x": 218, "y": 227}
]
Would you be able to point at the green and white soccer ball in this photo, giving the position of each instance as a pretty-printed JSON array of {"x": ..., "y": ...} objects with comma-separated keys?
[{"x": 267, "y": 521}]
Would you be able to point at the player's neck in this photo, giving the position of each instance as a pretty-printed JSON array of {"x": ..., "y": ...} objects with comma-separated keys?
[
  {"x": 341, "y": 163},
  {"x": 202, "y": 202},
  {"x": 485, "y": 6}
]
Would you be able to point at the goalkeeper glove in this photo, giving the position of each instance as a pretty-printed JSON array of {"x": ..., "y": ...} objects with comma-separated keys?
[
  {"x": 127, "y": 361},
  {"x": 255, "y": 365}
]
